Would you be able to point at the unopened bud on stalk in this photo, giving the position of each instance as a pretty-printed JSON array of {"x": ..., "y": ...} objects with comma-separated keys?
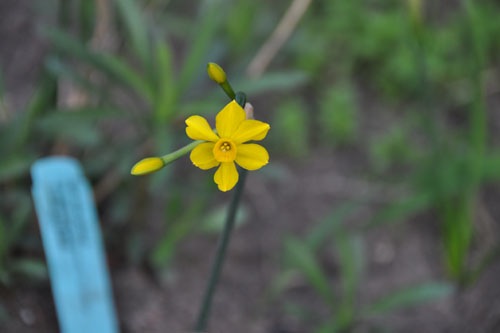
[
  {"x": 147, "y": 166},
  {"x": 216, "y": 73}
]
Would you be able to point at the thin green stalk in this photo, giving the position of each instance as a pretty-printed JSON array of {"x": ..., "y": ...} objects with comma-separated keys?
[
  {"x": 206, "y": 305},
  {"x": 228, "y": 90},
  {"x": 169, "y": 158}
]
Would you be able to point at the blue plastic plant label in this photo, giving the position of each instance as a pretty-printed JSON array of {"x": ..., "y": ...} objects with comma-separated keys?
[{"x": 73, "y": 247}]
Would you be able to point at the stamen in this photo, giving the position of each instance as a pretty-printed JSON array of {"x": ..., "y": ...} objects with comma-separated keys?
[
  {"x": 225, "y": 150},
  {"x": 225, "y": 146}
]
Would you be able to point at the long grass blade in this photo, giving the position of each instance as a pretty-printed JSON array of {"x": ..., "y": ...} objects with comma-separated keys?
[
  {"x": 112, "y": 66},
  {"x": 300, "y": 257}
]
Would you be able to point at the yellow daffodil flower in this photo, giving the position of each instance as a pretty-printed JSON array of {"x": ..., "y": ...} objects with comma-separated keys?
[{"x": 228, "y": 145}]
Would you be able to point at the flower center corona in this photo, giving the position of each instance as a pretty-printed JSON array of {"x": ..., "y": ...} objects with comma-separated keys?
[
  {"x": 225, "y": 151},
  {"x": 225, "y": 147}
]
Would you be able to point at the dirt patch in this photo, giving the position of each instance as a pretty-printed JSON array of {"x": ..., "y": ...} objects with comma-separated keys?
[{"x": 21, "y": 50}]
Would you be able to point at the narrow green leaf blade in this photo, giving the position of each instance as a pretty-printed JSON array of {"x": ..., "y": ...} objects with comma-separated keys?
[
  {"x": 329, "y": 225},
  {"x": 491, "y": 167},
  {"x": 410, "y": 296},
  {"x": 272, "y": 82},
  {"x": 399, "y": 210},
  {"x": 131, "y": 15},
  {"x": 214, "y": 221},
  {"x": 77, "y": 125},
  {"x": 203, "y": 35},
  {"x": 300, "y": 256},
  {"x": 15, "y": 166},
  {"x": 110, "y": 65},
  {"x": 349, "y": 248},
  {"x": 31, "y": 268},
  {"x": 166, "y": 89}
]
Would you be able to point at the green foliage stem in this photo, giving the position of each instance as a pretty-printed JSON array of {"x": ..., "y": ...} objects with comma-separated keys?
[{"x": 206, "y": 305}]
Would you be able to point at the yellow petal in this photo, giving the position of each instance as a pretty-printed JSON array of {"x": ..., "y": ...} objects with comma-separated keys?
[
  {"x": 203, "y": 157},
  {"x": 229, "y": 119},
  {"x": 147, "y": 165},
  {"x": 226, "y": 176},
  {"x": 251, "y": 130},
  {"x": 252, "y": 156},
  {"x": 199, "y": 129}
]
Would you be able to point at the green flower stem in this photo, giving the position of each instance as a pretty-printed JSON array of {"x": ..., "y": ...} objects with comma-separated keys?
[
  {"x": 226, "y": 86},
  {"x": 204, "y": 312},
  {"x": 169, "y": 158},
  {"x": 206, "y": 305}
]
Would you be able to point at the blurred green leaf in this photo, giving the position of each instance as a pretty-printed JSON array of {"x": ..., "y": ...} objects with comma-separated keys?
[
  {"x": 392, "y": 148},
  {"x": 31, "y": 268},
  {"x": 338, "y": 117},
  {"x": 21, "y": 216},
  {"x": 83, "y": 114},
  {"x": 330, "y": 326},
  {"x": 299, "y": 256},
  {"x": 87, "y": 16},
  {"x": 491, "y": 256},
  {"x": 491, "y": 167},
  {"x": 203, "y": 34},
  {"x": 207, "y": 108},
  {"x": 165, "y": 249},
  {"x": 102, "y": 161},
  {"x": 398, "y": 211},
  {"x": 110, "y": 65},
  {"x": 176, "y": 231},
  {"x": 167, "y": 93},
  {"x": 131, "y": 15},
  {"x": 409, "y": 296},
  {"x": 176, "y": 23},
  {"x": 300, "y": 311},
  {"x": 349, "y": 248},
  {"x": 4, "y": 315},
  {"x": 15, "y": 166},
  {"x": 281, "y": 282},
  {"x": 2, "y": 86},
  {"x": 214, "y": 221},
  {"x": 44, "y": 99},
  {"x": 77, "y": 125},
  {"x": 240, "y": 24},
  {"x": 4, "y": 242},
  {"x": 278, "y": 172},
  {"x": 291, "y": 120},
  {"x": 313, "y": 57},
  {"x": 59, "y": 69},
  {"x": 456, "y": 214},
  {"x": 272, "y": 82},
  {"x": 327, "y": 228},
  {"x": 267, "y": 83}
]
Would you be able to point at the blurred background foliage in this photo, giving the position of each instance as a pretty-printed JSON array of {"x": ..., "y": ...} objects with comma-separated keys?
[{"x": 402, "y": 83}]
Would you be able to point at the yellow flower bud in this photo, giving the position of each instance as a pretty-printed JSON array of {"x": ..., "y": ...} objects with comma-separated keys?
[
  {"x": 216, "y": 73},
  {"x": 147, "y": 166}
]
